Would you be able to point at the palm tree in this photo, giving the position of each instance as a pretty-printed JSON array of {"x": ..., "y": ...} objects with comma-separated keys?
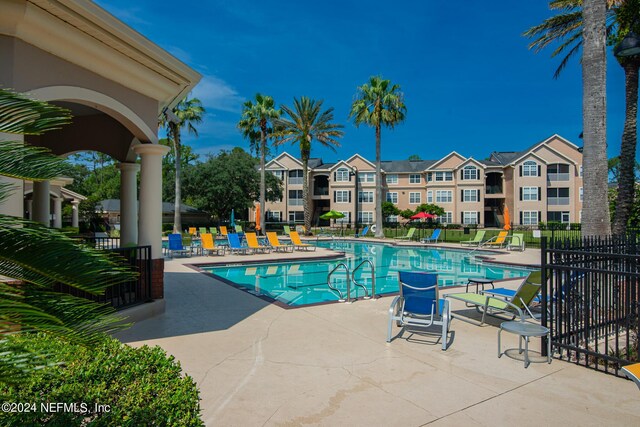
[
  {"x": 377, "y": 104},
  {"x": 37, "y": 257},
  {"x": 256, "y": 126},
  {"x": 187, "y": 112},
  {"x": 308, "y": 122},
  {"x": 567, "y": 27}
]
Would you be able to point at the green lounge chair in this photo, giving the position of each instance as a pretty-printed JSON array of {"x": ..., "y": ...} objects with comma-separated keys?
[
  {"x": 286, "y": 229},
  {"x": 202, "y": 230},
  {"x": 477, "y": 239},
  {"x": 408, "y": 236},
  {"x": 513, "y": 306},
  {"x": 516, "y": 242}
]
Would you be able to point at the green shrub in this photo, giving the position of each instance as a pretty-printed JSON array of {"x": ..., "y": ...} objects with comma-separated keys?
[
  {"x": 71, "y": 231},
  {"x": 141, "y": 386}
]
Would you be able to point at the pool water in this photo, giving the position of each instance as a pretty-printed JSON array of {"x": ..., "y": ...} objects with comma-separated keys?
[{"x": 304, "y": 283}]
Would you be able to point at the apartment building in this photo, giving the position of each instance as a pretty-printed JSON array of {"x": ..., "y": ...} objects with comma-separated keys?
[{"x": 540, "y": 183}]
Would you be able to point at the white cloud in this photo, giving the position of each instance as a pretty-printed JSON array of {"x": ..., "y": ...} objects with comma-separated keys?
[{"x": 216, "y": 94}]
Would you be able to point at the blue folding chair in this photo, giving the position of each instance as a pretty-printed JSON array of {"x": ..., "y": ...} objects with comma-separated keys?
[
  {"x": 235, "y": 246},
  {"x": 418, "y": 305},
  {"x": 363, "y": 232},
  {"x": 433, "y": 238},
  {"x": 175, "y": 245}
]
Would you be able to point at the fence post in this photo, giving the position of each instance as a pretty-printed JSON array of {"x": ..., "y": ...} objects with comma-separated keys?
[{"x": 543, "y": 280}]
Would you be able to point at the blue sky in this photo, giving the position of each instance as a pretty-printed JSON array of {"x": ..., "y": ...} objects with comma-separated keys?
[{"x": 470, "y": 82}]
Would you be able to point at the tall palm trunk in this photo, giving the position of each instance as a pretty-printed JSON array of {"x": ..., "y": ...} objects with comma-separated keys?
[
  {"x": 305, "y": 192},
  {"x": 379, "y": 230},
  {"x": 626, "y": 180},
  {"x": 263, "y": 186},
  {"x": 595, "y": 216},
  {"x": 177, "y": 218}
]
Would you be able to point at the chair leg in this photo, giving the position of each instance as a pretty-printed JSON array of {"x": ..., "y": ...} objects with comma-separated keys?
[{"x": 390, "y": 329}]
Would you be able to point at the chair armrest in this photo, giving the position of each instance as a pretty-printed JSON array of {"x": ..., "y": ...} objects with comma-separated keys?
[{"x": 392, "y": 308}]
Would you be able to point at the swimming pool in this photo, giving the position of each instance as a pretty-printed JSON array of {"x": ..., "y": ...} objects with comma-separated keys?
[{"x": 304, "y": 283}]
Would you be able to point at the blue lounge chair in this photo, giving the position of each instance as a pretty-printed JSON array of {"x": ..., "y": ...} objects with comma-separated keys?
[
  {"x": 433, "y": 238},
  {"x": 176, "y": 246},
  {"x": 235, "y": 246},
  {"x": 418, "y": 305},
  {"x": 364, "y": 232}
]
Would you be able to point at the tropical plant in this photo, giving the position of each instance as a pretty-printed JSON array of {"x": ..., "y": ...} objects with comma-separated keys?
[
  {"x": 186, "y": 113},
  {"x": 256, "y": 125},
  {"x": 378, "y": 103},
  {"x": 187, "y": 160},
  {"x": 622, "y": 17},
  {"x": 33, "y": 257},
  {"x": 307, "y": 122}
]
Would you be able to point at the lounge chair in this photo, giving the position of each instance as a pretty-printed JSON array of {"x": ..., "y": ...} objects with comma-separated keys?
[
  {"x": 202, "y": 230},
  {"x": 235, "y": 246},
  {"x": 275, "y": 243},
  {"x": 192, "y": 231},
  {"x": 223, "y": 230},
  {"x": 562, "y": 292},
  {"x": 477, "y": 239},
  {"x": 633, "y": 373},
  {"x": 213, "y": 231},
  {"x": 516, "y": 305},
  {"x": 238, "y": 229},
  {"x": 176, "y": 246},
  {"x": 408, "y": 236},
  {"x": 363, "y": 233},
  {"x": 297, "y": 243},
  {"x": 516, "y": 242},
  {"x": 209, "y": 246},
  {"x": 286, "y": 229},
  {"x": 418, "y": 305},
  {"x": 499, "y": 241},
  {"x": 433, "y": 238},
  {"x": 252, "y": 242}
]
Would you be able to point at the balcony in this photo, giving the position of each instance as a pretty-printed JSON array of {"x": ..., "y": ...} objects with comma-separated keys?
[
  {"x": 557, "y": 201},
  {"x": 295, "y": 181},
  {"x": 296, "y": 202},
  {"x": 552, "y": 177},
  {"x": 320, "y": 191}
]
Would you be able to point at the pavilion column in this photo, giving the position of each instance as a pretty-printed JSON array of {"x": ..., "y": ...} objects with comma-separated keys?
[
  {"x": 41, "y": 203},
  {"x": 74, "y": 213},
  {"x": 57, "y": 212},
  {"x": 129, "y": 203},
  {"x": 150, "y": 216},
  {"x": 29, "y": 209}
]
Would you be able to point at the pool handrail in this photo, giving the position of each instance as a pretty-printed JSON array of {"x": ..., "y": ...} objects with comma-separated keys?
[{"x": 373, "y": 295}]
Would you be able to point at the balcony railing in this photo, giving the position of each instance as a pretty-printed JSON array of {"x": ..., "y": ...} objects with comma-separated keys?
[
  {"x": 321, "y": 191},
  {"x": 555, "y": 201},
  {"x": 295, "y": 181},
  {"x": 557, "y": 177},
  {"x": 493, "y": 189},
  {"x": 296, "y": 202}
]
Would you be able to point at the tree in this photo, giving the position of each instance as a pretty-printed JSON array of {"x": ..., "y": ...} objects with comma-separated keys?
[
  {"x": 307, "y": 122},
  {"x": 431, "y": 208},
  {"x": 228, "y": 181},
  {"x": 37, "y": 257},
  {"x": 186, "y": 113},
  {"x": 187, "y": 159},
  {"x": 389, "y": 209},
  {"x": 378, "y": 104},
  {"x": 256, "y": 126},
  {"x": 569, "y": 27},
  {"x": 414, "y": 157},
  {"x": 613, "y": 165}
]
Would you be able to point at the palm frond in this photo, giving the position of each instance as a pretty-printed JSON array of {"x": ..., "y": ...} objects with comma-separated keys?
[
  {"x": 22, "y": 161},
  {"x": 24, "y": 116}
]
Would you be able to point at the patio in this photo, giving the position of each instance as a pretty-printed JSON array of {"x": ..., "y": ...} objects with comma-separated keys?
[{"x": 258, "y": 364}]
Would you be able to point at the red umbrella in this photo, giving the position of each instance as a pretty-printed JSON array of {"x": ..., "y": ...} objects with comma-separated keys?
[{"x": 421, "y": 215}]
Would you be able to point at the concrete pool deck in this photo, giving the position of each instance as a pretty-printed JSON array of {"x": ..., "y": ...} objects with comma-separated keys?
[{"x": 258, "y": 364}]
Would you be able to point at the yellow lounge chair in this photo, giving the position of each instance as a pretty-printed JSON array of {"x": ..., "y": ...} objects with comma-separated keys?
[
  {"x": 633, "y": 373},
  {"x": 223, "y": 230},
  {"x": 192, "y": 231},
  {"x": 252, "y": 242},
  {"x": 275, "y": 243},
  {"x": 209, "y": 246},
  {"x": 500, "y": 240},
  {"x": 297, "y": 243}
]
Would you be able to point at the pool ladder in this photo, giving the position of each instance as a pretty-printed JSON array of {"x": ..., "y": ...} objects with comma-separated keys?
[{"x": 352, "y": 278}]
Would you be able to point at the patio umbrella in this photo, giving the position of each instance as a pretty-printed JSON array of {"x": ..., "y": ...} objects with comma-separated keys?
[
  {"x": 423, "y": 215},
  {"x": 507, "y": 218},
  {"x": 232, "y": 222},
  {"x": 258, "y": 217},
  {"x": 332, "y": 215}
]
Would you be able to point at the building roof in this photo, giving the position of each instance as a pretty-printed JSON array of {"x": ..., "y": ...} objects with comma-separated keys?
[{"x": 395, "y": 166}]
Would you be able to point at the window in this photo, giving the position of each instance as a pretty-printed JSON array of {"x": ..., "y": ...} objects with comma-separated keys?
[
  {"x": 278, "y": 174},
  {"x": 470, "y": 173},
  {"x": 392, "y": 179},
  {"x": 342, "y": 196},
  {"x": 366, "y": 177},
  {"x": 296, "y": 216},
  {"x": 365, "y": 217},
  {"x": 558, "y": 196},
  {"x": 365, "y": 196},
  {"x": 392, "y": 197},
  {"x": 295, "y": 176},
  {"x": 580, "y": 171},
  {"x": 429, "y": 196},
  {"x": 470, "y": 195},
  {"x": 470, "y": 217},
  {"x": 429, "y": 176},
  {"x": 447, "y": 218},
  {"x": 444, "y": 176},
  {"x": 529, "y": 168},
  {"x": 558, "y": 172},
  {"x": 529, "y": 217},
  {"x": 529, "y": 193},
  {"x": 414, "y": 178},
  {"x": 346, "y": 219},
  {"x": 414, "y": 198},
  {"x": 295, "y": 198},
  {"x": 581, "y": 193},
  {"x": 392, "y": 218},
  {"x": 563, "y": 217},
  {"x": 444, "y": 196},
  {"x": 342, "y": 175},
  {"x": 273, "y": 216}
]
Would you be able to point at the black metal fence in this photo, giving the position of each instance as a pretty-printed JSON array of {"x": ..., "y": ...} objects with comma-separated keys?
[
  {"x": 591, "y": 301},
  {"x": 126, "y": 294}
]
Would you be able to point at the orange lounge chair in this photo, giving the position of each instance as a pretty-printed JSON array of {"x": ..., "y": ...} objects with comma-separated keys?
[
  {"x": 297, "y": 243},
  {"x": 223, "y": 230},
  {"x": 275, "y": 243},
  {"x": 252, "y": 242},
  {"x": 208, "y": 244},
  {"x": 500, "y": 240}
]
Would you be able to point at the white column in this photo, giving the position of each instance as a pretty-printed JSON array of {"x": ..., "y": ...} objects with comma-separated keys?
[
  {"x": 74, "y": 213},
  {"x": 150, "y": 217},
  {"x": 41, "y": 203},
  {"x": 129, "y": 203},
  {"x": 13, "y": 203},
  {"x": 29, "y": 209},
  {"x": 57, "y": 212}
]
